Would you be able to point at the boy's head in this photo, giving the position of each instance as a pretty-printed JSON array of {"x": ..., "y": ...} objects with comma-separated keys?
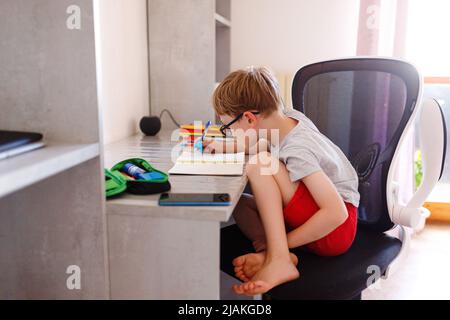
[{"x": 248, "y": 94}]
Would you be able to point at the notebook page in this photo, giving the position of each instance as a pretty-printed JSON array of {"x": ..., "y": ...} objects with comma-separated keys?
[
  {"x": 199, "y": 157},
  {"x": 197, "y": 163}
]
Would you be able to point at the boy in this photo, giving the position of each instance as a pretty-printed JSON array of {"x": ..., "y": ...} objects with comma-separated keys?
[{"x": 307, "y": 197}]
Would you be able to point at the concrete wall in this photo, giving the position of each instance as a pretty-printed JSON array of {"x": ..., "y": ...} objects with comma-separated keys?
[
  {"x": 47, "y": 75},
  {"x": 123, "y": 66},
  {"x": 182, "y": 58},
  {"x": 287, "y": 34}
]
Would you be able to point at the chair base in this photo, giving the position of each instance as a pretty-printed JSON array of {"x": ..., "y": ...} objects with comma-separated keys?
[
  {"x": 322, "y": 278},
  {"x": 357, "y": 297}
]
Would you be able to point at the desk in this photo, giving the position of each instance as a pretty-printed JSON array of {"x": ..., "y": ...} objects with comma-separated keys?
[{"x": 165, "y": 252}]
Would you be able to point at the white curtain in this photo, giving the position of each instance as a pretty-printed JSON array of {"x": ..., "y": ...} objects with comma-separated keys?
[
  {"x": 383, "y": 32},
  {"x": 383, "y": 28}
]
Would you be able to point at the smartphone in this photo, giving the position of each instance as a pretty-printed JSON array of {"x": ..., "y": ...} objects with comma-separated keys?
[{"x": 194, "y": 199}]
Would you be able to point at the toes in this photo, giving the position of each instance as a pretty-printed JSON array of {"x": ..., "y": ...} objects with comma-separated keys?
[
  {"x": 237, "y": 269},
  {"x": 238, "y": 289},
  {"x": 256, "y": 287},
  {"x": 294, "y": 259},
  {"x": 241, "y": 275},
  {"x": 244, "y": 278},
  {"x": 261, "y": 287},
  {"x": 248, "y": 286},
  {"x": 239, "y": 261}
]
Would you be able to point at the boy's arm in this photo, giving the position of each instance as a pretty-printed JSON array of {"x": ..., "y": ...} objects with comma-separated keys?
[{"x": 332, "y": 212}]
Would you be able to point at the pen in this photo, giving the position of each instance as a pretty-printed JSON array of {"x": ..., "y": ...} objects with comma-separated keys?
[{"x": 199, "y": 143}]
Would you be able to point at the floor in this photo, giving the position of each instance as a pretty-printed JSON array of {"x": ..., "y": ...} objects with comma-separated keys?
[{"x": 424, "y": 274}]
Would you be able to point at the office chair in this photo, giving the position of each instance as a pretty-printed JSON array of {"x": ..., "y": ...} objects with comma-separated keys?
[{"x": 366, "y": 106}]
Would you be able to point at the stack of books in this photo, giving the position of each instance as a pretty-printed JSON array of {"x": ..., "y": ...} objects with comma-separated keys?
[
  {"x": 13, "y": 143},
  {"x": 189, "y": 133}
]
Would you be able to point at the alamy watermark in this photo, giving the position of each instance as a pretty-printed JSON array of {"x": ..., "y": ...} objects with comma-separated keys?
[
  {"x": 263, "y": 148},
  {"x": 73, "y": 281},
  {"x": 375, "y": 275},
  {"x": 373, "y": 17},
  {"x": 73, "y": 21}
]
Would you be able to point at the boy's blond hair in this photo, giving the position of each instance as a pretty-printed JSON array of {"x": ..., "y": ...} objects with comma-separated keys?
[{"x": 248, "y": 89}]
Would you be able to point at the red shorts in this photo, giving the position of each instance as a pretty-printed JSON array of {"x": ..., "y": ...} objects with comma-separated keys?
[{"x": 302, "y": 207}]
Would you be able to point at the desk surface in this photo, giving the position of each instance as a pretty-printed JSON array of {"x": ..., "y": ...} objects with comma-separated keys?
[{"x": 157, "y": 151}]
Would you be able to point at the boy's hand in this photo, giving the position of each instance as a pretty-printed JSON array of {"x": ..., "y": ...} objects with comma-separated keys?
[
  {"x": 209, "y": 146},
  {"x": 218, "y": 146},
  {"x": 213, "y": 146}
]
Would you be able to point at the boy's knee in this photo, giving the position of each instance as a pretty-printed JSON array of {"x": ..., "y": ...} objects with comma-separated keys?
[
  {"x": 261, "y": 158},
  {"x": 251, "y": 169}
]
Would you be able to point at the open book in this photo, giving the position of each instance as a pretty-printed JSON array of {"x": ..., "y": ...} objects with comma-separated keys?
[{"x": 198, "y": 163}]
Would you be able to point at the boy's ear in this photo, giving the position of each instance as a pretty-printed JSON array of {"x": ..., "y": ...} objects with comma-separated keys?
[{"x": 250, "y": 118}]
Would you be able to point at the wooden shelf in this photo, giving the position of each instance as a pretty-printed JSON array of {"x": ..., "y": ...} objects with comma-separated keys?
[
  {"x": 26, "y": 169},
  {"x": 52, "y": 207},
  {"x": 222, "y": 21},
  {"x": 223, "y": 42}
]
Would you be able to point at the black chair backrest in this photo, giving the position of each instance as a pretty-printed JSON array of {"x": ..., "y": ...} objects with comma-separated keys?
[{"x": 363, "y": 106}]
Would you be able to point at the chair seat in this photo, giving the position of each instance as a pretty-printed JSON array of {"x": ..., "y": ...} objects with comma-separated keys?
[{"x": 342, "y": 277}]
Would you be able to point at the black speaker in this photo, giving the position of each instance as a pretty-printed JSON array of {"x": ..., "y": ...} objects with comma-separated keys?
[{"x": 150, "y": 126}]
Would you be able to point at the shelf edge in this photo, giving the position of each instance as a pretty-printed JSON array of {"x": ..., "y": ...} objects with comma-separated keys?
[{"x": 31, "y": 174}]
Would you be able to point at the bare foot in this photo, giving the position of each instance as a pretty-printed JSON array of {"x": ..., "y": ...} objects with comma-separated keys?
[
  {"x": 246, "y": 266},
  {"x": 272, "y": 274}
]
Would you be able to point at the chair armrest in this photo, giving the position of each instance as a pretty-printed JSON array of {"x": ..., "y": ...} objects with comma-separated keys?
[{"x": 432, "y": 141}]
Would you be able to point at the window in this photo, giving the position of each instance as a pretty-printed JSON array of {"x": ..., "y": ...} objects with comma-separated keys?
[
  {"x": 427, "y": 44},
  {"x": 428, "y": 48},
  {"x": 439, "y": 89}
]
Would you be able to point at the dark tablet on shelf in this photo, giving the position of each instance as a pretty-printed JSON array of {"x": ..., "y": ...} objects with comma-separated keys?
[
  {"x": 13, "y": 139},
  {"x": 16, "y": 142}
]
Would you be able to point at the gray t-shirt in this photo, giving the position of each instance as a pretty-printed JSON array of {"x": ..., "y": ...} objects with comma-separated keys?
[{"x": 305, "y": 150}]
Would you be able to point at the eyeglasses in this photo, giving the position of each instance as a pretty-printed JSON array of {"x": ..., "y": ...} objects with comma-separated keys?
[{"x": 225, "y": 129}]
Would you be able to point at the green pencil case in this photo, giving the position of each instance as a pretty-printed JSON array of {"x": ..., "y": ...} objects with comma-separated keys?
[
  {"x": 115, "y": 184},
  {"x": 156, "y": 181}
]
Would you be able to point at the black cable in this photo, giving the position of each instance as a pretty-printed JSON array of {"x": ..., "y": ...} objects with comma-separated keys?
[{"x": 170, "y": 115}]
